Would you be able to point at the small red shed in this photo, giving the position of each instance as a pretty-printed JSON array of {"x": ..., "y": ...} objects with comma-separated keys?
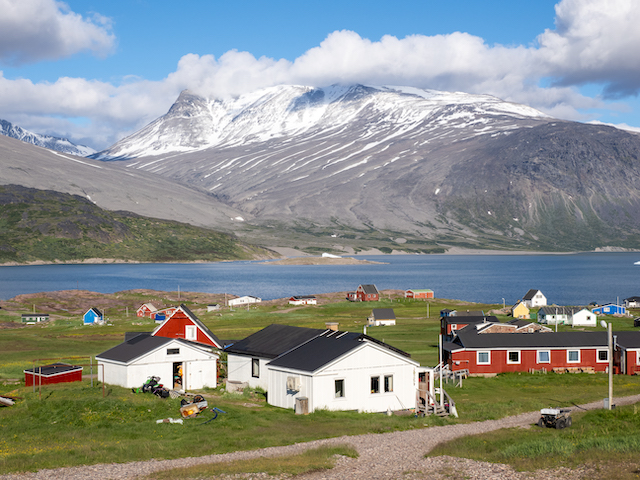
[{"x": 53, "y": 373}]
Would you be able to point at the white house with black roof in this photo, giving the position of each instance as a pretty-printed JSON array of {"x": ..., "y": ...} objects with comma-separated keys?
[
  {"x": 140, "y": 356},
  {"x": 534, "y": 298},
  {"x": 343, "y": 371},
  {"x": 247, "y": 359}
]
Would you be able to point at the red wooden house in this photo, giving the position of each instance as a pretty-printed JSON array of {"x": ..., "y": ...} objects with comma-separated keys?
[
  {"x": 627, "y": 355},
  {"x": 184, "y": 324},
  {"x": 421, "y": 293},
  {"x": 51, "y": 374},
  {"x": 493, "y": 353},
  {"x": 146, "y": 310},
  {"x": 364, "y": 293}
]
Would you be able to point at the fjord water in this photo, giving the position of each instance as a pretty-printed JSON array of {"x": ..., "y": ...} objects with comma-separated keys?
[{"x": 571, "y": 279}]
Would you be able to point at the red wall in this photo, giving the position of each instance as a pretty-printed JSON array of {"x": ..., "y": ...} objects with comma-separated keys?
[
  {"x": 175, "y": 328},
  {"x": 66, "y": 377},
  {"x": 499, "y": 364}
]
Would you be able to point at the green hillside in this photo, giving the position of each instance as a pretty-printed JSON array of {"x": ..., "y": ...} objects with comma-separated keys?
[{"x": 43, "y": 225}]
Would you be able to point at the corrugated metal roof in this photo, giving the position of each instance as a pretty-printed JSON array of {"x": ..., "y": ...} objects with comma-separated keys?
[{"x": 273, "y": 340}]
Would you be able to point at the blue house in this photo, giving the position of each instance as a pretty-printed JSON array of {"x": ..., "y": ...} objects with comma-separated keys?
[
  {"x": 610, "y": 309},
  {"x": 93, "y": 317}
]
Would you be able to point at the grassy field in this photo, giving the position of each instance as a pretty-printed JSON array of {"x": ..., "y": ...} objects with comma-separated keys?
[
  {"x": 74, "y": 424},
  {"x": 606, "y": 440}
]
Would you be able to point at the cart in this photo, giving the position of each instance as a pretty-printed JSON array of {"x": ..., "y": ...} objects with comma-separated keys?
[{"x": 555, "y": 418}]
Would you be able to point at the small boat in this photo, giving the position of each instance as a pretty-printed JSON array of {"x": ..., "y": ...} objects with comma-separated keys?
[{"x": 637, "y": 263}]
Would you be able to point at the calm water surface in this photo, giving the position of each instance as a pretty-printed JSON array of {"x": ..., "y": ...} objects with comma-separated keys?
[{"x": 575, "y": 279}]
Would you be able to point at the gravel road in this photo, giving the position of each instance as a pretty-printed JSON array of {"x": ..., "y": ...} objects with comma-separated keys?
[{"x": 395, "y": 455}]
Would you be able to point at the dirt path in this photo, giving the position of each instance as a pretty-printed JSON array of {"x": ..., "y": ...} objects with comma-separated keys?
[{"x": 395, "y": 455}]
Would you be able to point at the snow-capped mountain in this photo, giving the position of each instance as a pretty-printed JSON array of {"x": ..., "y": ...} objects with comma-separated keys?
[
  {"x": 47, "y": 141},
  {"x": 446, "y": 167},
  {"x": 194, "y": 123}
]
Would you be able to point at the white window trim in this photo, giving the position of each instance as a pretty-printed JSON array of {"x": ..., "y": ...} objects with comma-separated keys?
[
  {"x": 598, "y": 355},
  {"x": 574, "y": 361},
  {"x": 478, "y": 362},
  {"x": 190, "y": 332},
  {"x": 384, "y": 377},
  {"x": 519, "y": 357},
  {"x": 637, "y": 357},
  {"x": 538, "y": 352}
]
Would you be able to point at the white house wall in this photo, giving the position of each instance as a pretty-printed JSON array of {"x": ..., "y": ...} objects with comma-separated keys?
[
  {"x": 200, "y": 368},
  {"x": 584, "y": 318},
  {"x": 239, "y": 370},
  {"x": 356, "y": 369}
]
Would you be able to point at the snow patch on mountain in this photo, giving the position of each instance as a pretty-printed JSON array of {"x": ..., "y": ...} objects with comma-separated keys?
[
  {"x": 46, "y": 141},
  {"x": 196, "y": 123}
]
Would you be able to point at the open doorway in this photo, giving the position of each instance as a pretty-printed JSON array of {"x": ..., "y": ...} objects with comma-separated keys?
[{"x": 178, "y": 376}]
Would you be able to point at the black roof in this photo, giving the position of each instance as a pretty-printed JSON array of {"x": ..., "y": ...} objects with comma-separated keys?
[
  {"x": 383, "y": 314},
  {"x": 325, "y": 348},
  {"x": 273, "y": 340},
  {"x": 369, "y": 289},
  {"x": 632, "y": 299},
  {"x": 303, "y": 297},
  {"x": 471, "y": 339},
  {"x": 628, "y": 339},
  {"x": 53, "y": 369},
  {"x": 530, "y": 294},
  {"x": 136, "y": 347}
]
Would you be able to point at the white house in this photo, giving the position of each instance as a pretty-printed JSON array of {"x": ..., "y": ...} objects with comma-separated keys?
[
  {"x": 381, "y": 317},
  {"x": 247, "y": 359},
  {"x": 534, "y": 298},
  {"x": 303, "y": 300},
  {"x": 132, "y": 362},
  {"x": 554, "y": 315},
  {"x": 247, "y": 299},
  {"x": 583, "y": 317},
  {"x": 343, "y": 371}
]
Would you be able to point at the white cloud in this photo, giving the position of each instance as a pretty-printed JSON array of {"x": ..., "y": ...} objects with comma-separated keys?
[
  {"x": 594, "y": 41},
  {"x": 33, "y": 30}
]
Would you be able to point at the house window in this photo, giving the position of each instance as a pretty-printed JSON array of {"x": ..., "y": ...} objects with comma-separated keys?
[
  {"x": 483, "y": 358},
  {"x": 375, "y": 384},
  {"x": 603, "y": 356},
  {"x": 255, "y": 367},
  {"x": 544, "y": 356},
  {"x": 340, "y": 388},
  {"x": 513, "y": 356},
  {"x": 573, "y": 356},
  {"x": 190, "y": 332},
  {"x": 173, "y": 351},
  {"x": 388, "y": 383}
]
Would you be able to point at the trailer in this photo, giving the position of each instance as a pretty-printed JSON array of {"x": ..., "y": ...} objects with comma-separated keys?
[{"x": 557, "y": 418}]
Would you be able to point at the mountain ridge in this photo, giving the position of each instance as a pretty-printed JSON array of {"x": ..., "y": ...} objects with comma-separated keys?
[{"x": 46, "y": 141}]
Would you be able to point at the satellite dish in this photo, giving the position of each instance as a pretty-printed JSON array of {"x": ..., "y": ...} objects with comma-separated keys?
[{"x": 603, "y": 324}]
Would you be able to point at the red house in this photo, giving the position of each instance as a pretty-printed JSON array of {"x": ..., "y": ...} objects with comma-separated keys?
[
  {"x": 364, "y": 293},
  {"x": 146, "y": 310},
  {"x": 493, "y": 353},
  {"x": 450, "y": 325},
  {"x": 627, "y": 355},
  {"x": 53, "y": 373},
  {"x": 184, "y": 324}
]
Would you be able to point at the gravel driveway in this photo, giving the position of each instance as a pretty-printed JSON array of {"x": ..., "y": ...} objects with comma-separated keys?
[{"x": 395, "y": 455}]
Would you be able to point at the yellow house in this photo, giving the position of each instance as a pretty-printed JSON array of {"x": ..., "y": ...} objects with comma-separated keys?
[{"x": 520, "y": 310}]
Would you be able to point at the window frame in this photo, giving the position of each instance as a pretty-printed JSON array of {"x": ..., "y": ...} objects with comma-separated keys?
[
  {"x": 255, "y": 368},
  {"x": 514, "y": 362},
  {"x": 481, "y": 352},
  {"x": 335, "y": 389},
  {"x": 598, "y": 351},
  {"x": 388, "y": 385},
  {"x": 375, "y": 387},
  {"x": 538, "y": 352},
  {"x": 190, "y": 332},
  {"x": 173, "y": 351},
  {"x": 569, "y": 352}
]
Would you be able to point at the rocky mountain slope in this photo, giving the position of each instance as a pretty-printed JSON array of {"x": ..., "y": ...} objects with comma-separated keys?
[
  {"x": 110, "y": 187},
  {"x": 47, "y": 141},
  {"x": 409, "y": 165}
]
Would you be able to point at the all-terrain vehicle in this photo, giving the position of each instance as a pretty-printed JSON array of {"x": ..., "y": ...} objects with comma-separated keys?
[{"x": 555, "y": 418}]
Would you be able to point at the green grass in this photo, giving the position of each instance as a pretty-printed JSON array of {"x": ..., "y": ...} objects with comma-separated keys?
[
  {"x": 608, "y": 440},
  {"x": 74, "y": 425},
  {"x": 312, "y": 460}
]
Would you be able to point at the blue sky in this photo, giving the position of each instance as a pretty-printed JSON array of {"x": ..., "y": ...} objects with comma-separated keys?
[{"x": 95, "y": 71}]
